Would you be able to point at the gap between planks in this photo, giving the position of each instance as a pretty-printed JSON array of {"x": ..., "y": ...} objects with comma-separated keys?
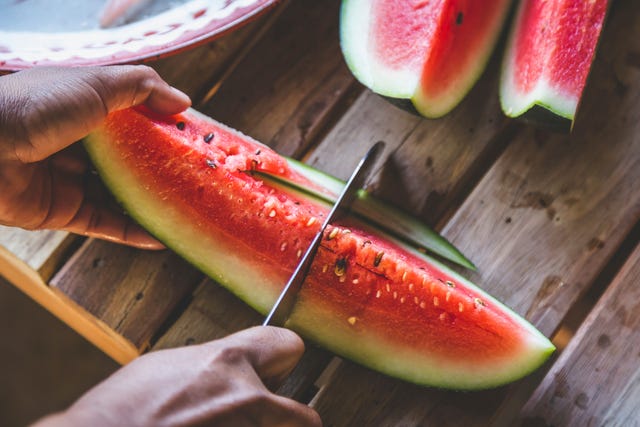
[
  {"x": 591, "y": 295},
  {"x": 564, "y": 338}
]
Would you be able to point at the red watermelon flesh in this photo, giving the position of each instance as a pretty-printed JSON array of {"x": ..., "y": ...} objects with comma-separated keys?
[
  {"x": 431, "y": 52},
  {"x": 400, "y": 43},
  {"x": 367, "y": 296},
  {"x": 551, "y": 48}
]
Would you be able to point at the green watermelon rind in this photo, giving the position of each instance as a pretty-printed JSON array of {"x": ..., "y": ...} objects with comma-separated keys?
[
  {"x": 516, "y": 105},
  {"x": 259, "y": 288},
  {"x": 381, "y": 215}
]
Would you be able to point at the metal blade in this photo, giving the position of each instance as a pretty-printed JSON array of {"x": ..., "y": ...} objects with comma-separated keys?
[{"x": 284, "y": 305}]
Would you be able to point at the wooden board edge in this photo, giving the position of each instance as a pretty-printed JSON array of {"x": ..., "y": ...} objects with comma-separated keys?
[{"x": 27, "y": 280}]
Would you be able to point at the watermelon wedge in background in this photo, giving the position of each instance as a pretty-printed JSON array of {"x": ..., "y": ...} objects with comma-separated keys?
[
  {"x": 428, "y": 52},
  {"x": 203, "y": 189},
  {"x": 549, "y": 53}
]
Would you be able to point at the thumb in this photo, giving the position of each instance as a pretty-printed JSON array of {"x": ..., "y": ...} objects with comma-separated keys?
[
  {"x": 272, "y": 352},
  {"x": 128, "y": 85},
  {"x": 57, "y": 106}
]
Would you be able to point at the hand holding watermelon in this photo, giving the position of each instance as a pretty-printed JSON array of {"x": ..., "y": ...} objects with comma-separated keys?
[{"x": 44, "y": 180}]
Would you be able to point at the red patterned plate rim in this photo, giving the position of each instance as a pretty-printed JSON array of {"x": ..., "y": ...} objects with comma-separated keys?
[{"x": 188, "y": 25}]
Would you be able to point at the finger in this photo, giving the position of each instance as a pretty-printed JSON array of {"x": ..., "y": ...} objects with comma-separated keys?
[
  {"x": 267, "y": 409},
  {"x": 288, "y": 412},
  {"x": 272, "y": 352},
  {"x": 80, "y": 204},
  {"x": 95, "y": 221},
  {"x": 130, "y": 85},
  {"x": 54, "y": 107}
]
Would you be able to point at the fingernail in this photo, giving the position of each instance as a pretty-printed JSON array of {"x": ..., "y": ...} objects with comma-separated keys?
[{"x": 180, "y": 93}]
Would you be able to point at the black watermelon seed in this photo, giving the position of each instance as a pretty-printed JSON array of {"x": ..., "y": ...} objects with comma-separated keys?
[
  {"x": 208, "y": 137},
  {"x": 180, "y": 125},
  {"x": 341, "y": 266}
]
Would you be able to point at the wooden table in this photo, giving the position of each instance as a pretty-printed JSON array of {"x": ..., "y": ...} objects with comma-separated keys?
[{"x": 551, "y": 221}]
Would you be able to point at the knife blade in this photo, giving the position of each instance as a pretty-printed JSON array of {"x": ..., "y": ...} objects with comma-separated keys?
[{"x": 284, "y": 304}]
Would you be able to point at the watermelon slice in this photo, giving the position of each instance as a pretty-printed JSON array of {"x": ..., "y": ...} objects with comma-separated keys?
[
  {"x": 430, "y": 52},
  {"x": 192, "y": 182},
  {"x": 550, "y": 50}
]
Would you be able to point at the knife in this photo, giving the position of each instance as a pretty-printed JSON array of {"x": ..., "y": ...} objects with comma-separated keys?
[{"x": 284, "y": 304}]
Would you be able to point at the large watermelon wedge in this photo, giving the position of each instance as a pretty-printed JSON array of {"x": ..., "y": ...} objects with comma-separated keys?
[
  {"x": 191, "y": 182},
  {"x": 549, "y": 53},
  {"x": 430, "y": 52}
]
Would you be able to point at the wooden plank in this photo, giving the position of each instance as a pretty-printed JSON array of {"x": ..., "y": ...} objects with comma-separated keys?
[
  {"x": 596, "y": 380},
  {"x": 283, "y": 93},
  {"x": 197, "y": 70},
  {"x": 543, "y": 221},
  {"x": 213, "y": 313},
  {"x": 132, "y": 291},
  {"x": 421, "y": 154},
  {"x": 28, "y": 259}
]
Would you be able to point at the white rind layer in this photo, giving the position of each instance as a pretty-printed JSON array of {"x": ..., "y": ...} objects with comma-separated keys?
[
  {"x": 515, "y": 102},
  {"x": 355, "y": 39}
]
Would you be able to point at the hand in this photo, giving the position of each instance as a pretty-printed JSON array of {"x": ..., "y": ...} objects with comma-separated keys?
[
  {"x": 44, "y": 179},
  {"x": 221, "y": 383}
]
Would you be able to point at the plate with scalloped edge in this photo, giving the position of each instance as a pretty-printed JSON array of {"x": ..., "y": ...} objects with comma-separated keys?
[{"x": 59, "y": 32}]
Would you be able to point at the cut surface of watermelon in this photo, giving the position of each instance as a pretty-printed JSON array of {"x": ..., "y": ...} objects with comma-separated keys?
[
  {"x": 549, "y": 54},
  {"x": 431, "y": 52},
  {"x": 368, "y": 297}
]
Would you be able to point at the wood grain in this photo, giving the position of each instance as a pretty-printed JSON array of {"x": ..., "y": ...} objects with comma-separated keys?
[
  {"x": 607, "y": 348},
  {"x": 213, "y": 313},
  {"x": 540, "y": 225},
  {"x": 429, "y": 164},
  {"x": 541, "y": 214},
  {"x": 197, "y": 70},
  {"x": 132, "y": 291},
  {"x": 284, "y": 92}
]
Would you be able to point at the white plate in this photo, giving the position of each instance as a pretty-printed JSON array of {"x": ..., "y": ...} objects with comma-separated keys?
[{"x": 185, "y": 25}]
